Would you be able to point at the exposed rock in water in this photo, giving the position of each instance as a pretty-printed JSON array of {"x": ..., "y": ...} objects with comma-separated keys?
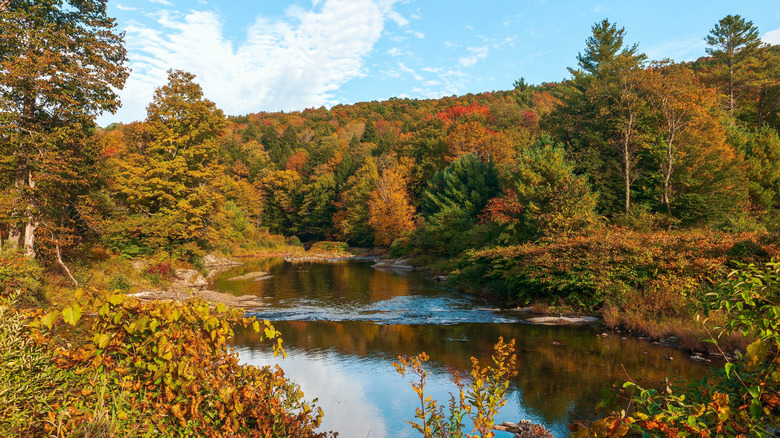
[
  {"x": 562, "y": 320},
  {"x": 260, "y": 275},
  {"x": 210, "y": 260},
  {"x": 393, "y": 264},
  {"x": 246, "y": 301},
  {"x": 524, "y": 429}
]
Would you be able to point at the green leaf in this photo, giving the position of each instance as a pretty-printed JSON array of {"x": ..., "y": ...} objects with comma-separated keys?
[
  {"x": 72, "y": 314},
  {"x": 755, "y": 391},
  {"x": 729, "y": 369},
  {"x": 755, "y": 408}
]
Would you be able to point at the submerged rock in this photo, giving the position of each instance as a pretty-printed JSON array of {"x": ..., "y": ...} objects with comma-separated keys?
[{"x": 393, "y": 264}]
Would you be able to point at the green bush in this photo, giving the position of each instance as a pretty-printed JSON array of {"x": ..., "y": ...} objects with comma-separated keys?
[
  {"x": 739, "y": 400},
  {"x": 338, "y": 247}
]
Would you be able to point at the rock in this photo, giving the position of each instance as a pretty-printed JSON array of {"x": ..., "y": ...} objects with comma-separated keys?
[
  {"x": 210, "y": 260},
  {"x": 562, "y": 320},
  {"x": 260, "y": 275},
  {"x": 440, "y": 278},
  {"x": 245, "y": 301},
  {"x": 188, "y": 279},
  {"x": 524, "y": 429},
  {"x": 399, "y": 264}
]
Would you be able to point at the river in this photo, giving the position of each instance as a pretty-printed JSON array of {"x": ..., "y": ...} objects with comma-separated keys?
[{"x": 344, "y": 323}]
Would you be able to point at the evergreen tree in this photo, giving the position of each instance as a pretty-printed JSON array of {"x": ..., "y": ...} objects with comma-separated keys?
[
  {"x": 466, "y": 184},
  {"x": 733, "y": 41},
  {"x": 605, "y": 43},
  {"x": 551, "y": 199}
]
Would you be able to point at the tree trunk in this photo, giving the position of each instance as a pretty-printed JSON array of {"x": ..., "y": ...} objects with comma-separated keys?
[
  {"x": 14, "y": 236},
  {"x": 25, "y": 172},
  {"x": 668, "y": 176},
  {"x": 627, "y": 161}
]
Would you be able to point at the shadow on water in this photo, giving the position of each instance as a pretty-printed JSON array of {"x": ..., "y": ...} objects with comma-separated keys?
[{"x": 344, "y": 323}]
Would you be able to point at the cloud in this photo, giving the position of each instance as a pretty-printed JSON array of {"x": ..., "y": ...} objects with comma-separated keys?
[
  {"x": 162, "y": 2},
  {"x": 772, "y": 37},
  {"x": 395, "y": 51},
  {"x": 688, "y": 49},
  {"x": 403, "y": 68},
  {"x": 289, "y": 64},
  {"x": 122, "y": 7},
  {"x": 475, "y": 54}
]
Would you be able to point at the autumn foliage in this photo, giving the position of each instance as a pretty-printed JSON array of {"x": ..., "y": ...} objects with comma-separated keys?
[{"x": 160, "y": 368}]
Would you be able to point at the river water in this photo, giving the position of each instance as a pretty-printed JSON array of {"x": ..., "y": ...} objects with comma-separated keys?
[{"x": 344, "y": 323}]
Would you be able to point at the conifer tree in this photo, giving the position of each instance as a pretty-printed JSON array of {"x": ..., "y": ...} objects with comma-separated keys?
[{"x": 733, "y": 41}]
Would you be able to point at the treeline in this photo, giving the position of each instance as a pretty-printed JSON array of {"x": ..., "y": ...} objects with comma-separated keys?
[{"x": 627, "y": 141}]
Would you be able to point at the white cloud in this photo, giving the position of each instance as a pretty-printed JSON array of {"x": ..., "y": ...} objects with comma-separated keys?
[
  {"x": 403, "y": 68},
  {"x": 688, "y": 49},
  {"x": 289, "y": 64},
  {"x": 122, "y": 7},
  {"x": 475, "y": 54},
  {"x": 772, "y": 37},
  {"x": 162, "y": 2},
  {"x": 395, "y": 51}
]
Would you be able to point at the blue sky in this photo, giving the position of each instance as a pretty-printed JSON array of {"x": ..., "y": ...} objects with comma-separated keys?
[{"x": 270, "y": 55}]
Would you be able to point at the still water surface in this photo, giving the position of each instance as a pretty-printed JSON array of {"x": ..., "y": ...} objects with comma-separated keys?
[{"x": 344, "y": 323}]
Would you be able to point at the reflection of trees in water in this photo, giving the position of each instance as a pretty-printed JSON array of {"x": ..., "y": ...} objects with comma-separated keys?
[
  {"x": 554, "y": 381},
  {"x": 560, "y": 383}
]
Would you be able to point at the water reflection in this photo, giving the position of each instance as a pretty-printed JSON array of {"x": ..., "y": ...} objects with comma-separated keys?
[{"x": 345, "y": 360}]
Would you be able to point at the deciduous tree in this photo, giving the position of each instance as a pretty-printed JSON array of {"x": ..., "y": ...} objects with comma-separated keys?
[{"x": 60, "y": 62}]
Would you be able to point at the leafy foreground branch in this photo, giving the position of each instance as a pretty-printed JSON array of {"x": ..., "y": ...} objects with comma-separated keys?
[
  {"x": 121, "y": 367},
  {"x": 480, "y": 400},
  {"x": 740, "y": 400}
]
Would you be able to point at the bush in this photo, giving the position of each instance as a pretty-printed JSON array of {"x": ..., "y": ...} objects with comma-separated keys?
[
  {"x": 29, "y": 380},
  {"x": 740, "y": 399},
  {"x": 21, "y": 276},
  {"x": 337, "y": 247},
  {"x": 167, "y": 371}
]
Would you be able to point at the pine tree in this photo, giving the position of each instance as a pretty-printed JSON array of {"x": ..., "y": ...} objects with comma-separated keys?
[{"x": 733, "y": 41}]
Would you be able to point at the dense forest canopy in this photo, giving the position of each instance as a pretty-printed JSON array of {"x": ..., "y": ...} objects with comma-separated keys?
[{"x": 625, "y": 140}]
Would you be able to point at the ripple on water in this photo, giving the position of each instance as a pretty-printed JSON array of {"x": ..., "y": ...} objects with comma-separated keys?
[{"x": 413, "y": 310}]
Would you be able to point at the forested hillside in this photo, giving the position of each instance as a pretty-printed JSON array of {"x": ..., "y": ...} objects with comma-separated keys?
[{"x": 629, "y": 190}]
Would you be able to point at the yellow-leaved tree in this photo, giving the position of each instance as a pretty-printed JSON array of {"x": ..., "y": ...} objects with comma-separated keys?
[
  {"x": 168, "y": 171},
  {"x": 390, "y": 212}
]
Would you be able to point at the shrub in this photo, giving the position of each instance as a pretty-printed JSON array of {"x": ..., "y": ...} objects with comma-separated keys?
[
  {"x": 740, "y": 399},
  {"x": 169, "y": 365},
  {"x": 337, "y": 247}
]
